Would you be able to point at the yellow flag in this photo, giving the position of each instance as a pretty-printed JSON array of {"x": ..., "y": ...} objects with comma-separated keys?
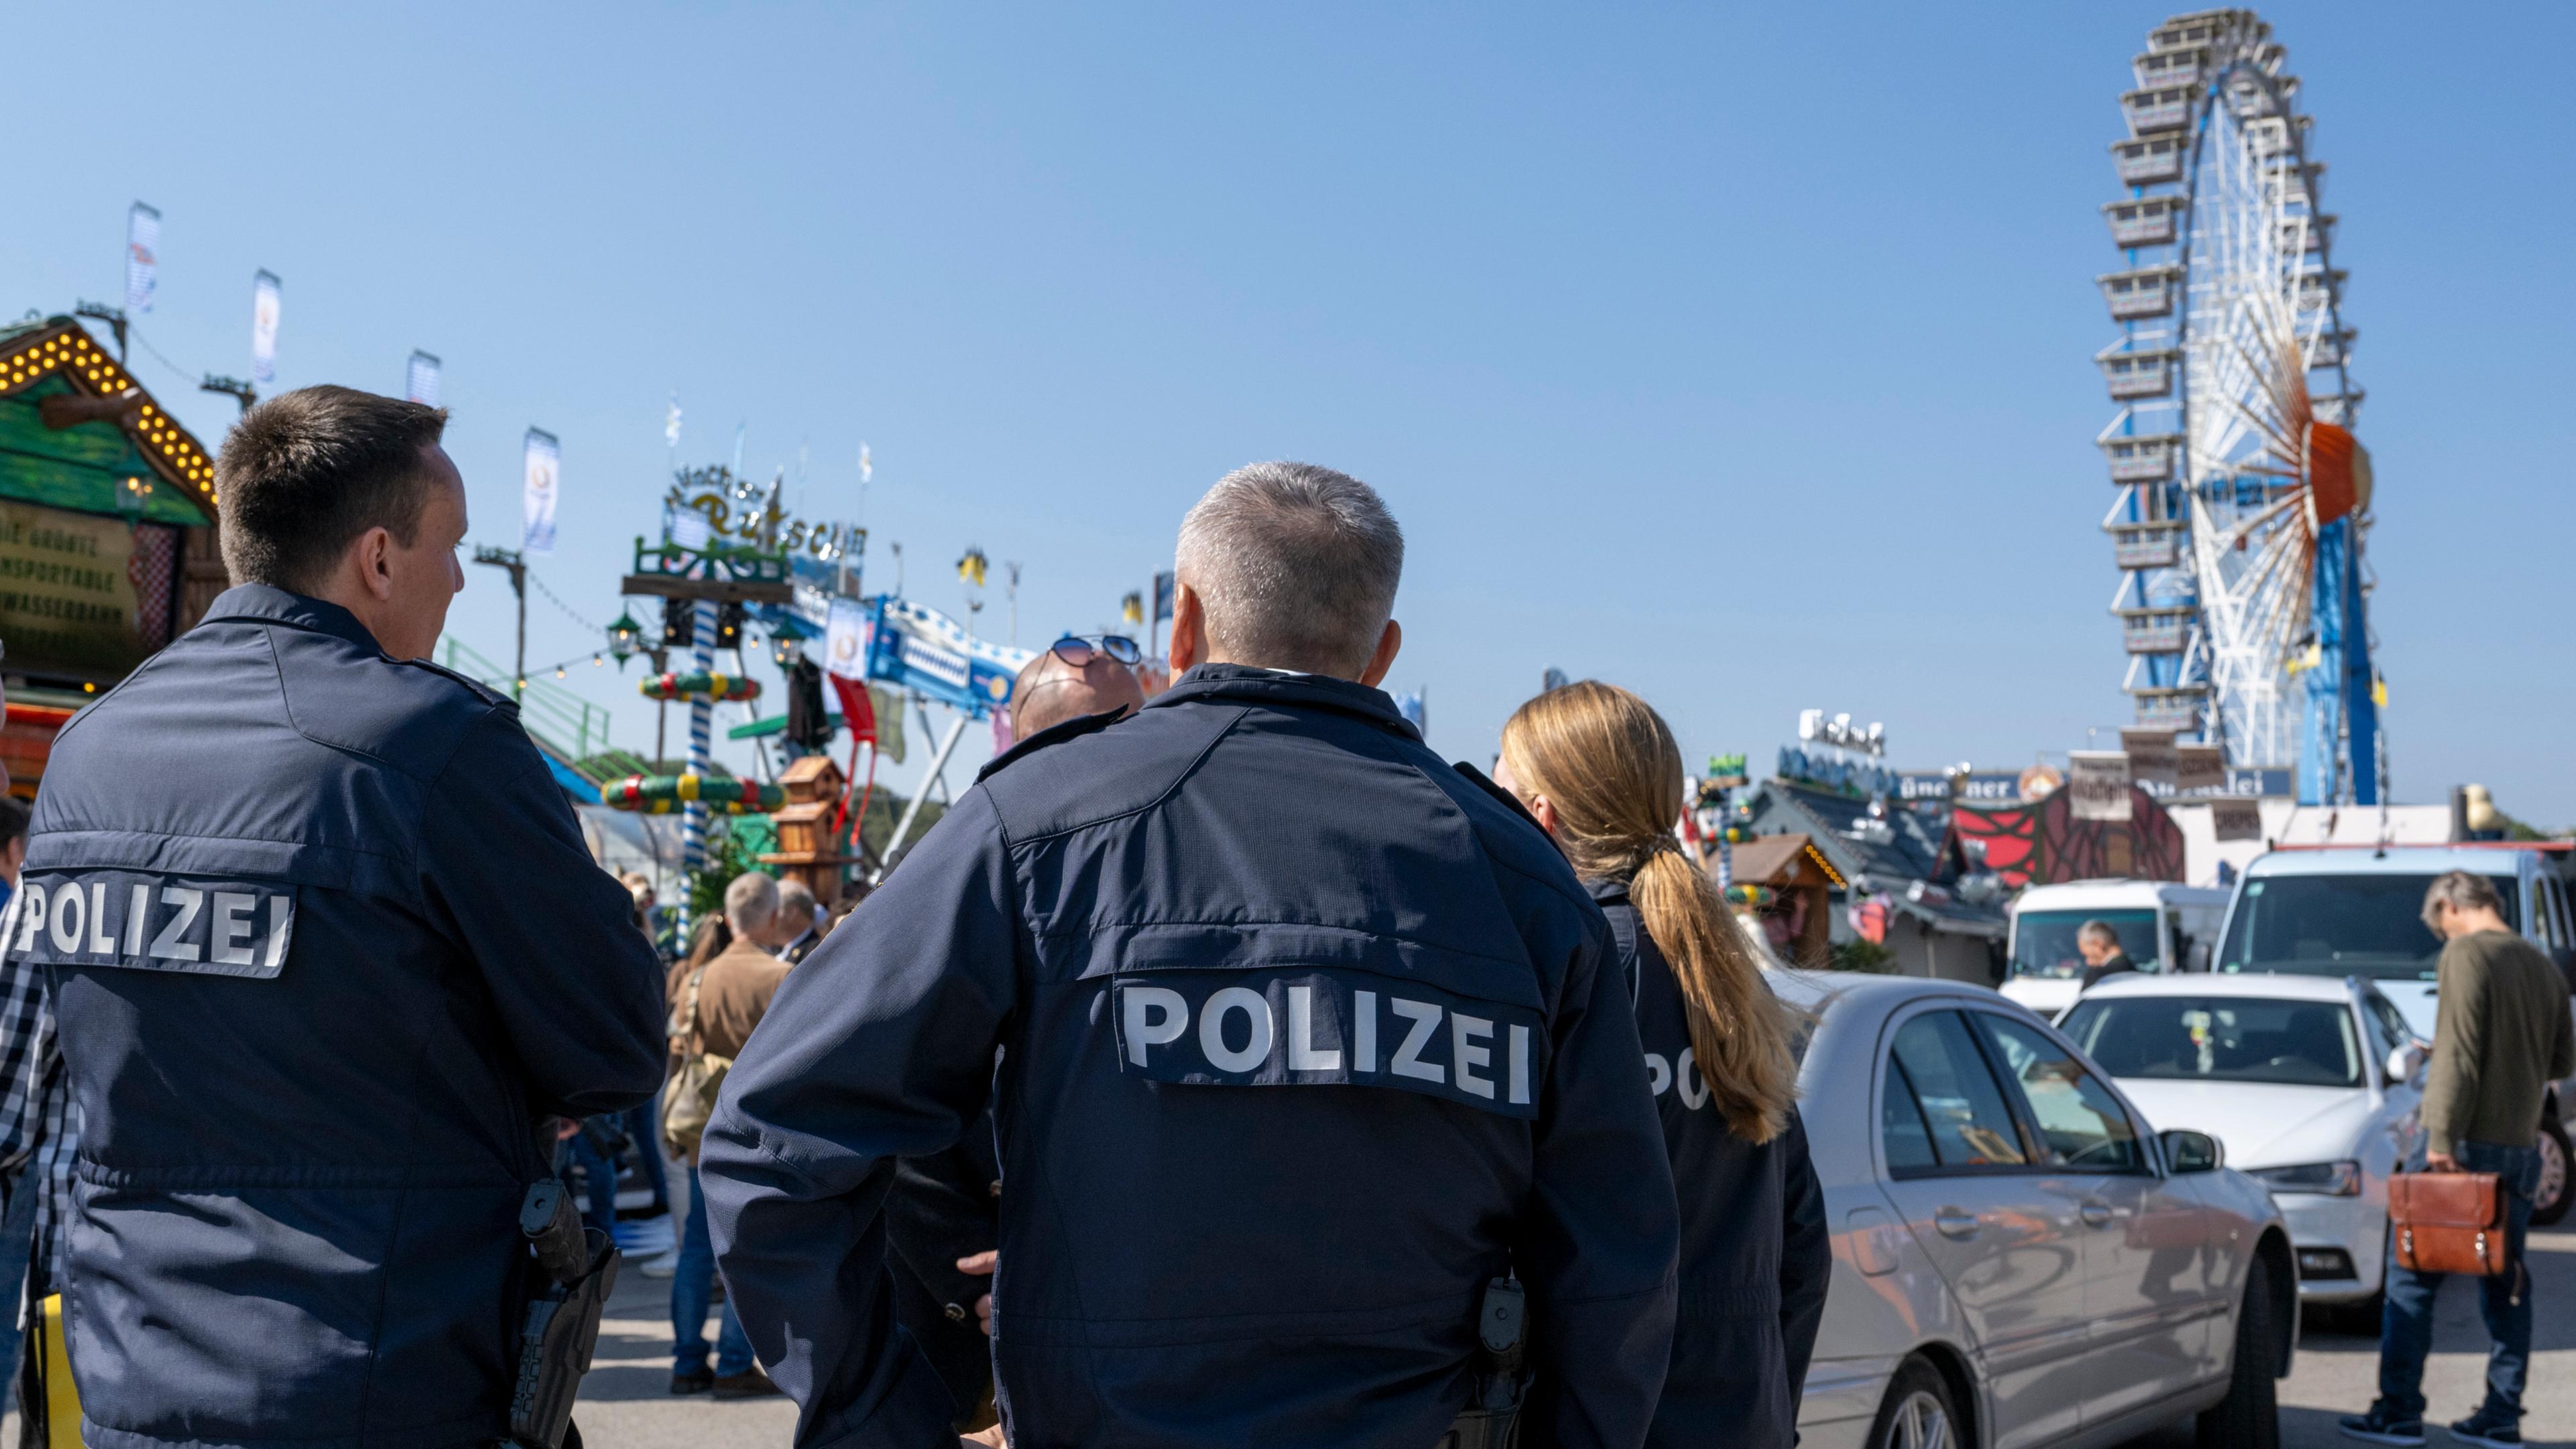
[
  {"x": 1132, "y": 608},
  {"x": 971, "y": 568}
]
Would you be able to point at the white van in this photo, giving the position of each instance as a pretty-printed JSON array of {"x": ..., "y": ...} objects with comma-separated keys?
[{"x": 2164, "y": 926}]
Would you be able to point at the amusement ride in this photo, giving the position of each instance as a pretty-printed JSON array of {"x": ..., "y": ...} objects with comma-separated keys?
[{"x": 2243, "y": 498}]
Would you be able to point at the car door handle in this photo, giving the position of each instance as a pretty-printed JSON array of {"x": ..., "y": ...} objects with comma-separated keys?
[
  {"x": 2096, "y": 1214},
  {"x": 1955, "y": 1222}
]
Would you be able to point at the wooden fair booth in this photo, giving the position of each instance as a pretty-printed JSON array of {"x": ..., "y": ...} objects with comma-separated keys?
[{"x": 107, "y": 531}]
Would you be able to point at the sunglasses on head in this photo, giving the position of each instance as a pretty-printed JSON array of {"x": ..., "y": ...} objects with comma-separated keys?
[{"x": 1078, "y": 651}]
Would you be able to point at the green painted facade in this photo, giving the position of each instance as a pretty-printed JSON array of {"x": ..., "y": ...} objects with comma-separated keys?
[{"x": 80, "y": 467}]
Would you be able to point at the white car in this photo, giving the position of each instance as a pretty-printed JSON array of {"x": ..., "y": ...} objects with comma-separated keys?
[
  {"x": 2312, "y": 1083},
  {"x": 2019, "y": 1260},
  {"x": 2335, "y": 912}
]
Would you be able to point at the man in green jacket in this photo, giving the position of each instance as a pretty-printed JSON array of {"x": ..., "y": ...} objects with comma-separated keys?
[{"x": 2502, "y": 1036}]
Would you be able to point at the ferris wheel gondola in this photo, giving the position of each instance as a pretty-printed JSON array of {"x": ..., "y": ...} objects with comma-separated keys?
[{"x": 2243, "y": 497}]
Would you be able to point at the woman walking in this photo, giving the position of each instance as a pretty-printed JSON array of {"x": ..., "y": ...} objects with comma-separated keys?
[{"x": 1599, "y": 770}]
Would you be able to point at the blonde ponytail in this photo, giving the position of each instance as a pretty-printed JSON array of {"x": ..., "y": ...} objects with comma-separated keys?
[{"x": 1609, "y": 765}]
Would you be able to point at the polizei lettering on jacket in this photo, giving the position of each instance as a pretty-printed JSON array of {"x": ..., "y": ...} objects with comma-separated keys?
[
  {"x": 153, "y": 922},
  {"x": 1317, "y": 1027}
]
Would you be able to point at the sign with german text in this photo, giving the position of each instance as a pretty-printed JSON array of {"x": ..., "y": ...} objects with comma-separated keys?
[{"x": 2097, "y": 784}]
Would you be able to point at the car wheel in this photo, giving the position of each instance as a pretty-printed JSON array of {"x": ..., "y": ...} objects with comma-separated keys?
[
  {"x": 1917, "y": 1412},
  {"x": 2549, "y": 1204},
  {"x": 2247, "y": 1418}
]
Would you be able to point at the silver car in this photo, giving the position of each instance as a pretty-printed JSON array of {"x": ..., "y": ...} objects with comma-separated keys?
[{"x": 2017, "y": 1259}]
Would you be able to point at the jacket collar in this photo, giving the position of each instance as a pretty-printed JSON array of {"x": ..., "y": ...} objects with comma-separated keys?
[
  {"x": 277, "y": 606},
  {"x": 1245, "y": 684},
  {"x": 1606, "y": 891}
]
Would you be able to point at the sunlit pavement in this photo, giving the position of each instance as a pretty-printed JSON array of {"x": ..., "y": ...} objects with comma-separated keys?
[
  {"x": 626, "y": 1402},
  {"x": 2338, "y": 1370}
]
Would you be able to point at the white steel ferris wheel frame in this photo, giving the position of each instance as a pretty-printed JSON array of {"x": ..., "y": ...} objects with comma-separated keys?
[{"x": 2258, "y": 278}]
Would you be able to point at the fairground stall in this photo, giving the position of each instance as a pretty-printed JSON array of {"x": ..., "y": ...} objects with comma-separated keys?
[{"x": 107, "y": 536}]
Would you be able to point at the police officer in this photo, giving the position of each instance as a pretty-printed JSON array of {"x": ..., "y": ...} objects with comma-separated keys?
[
  {"x": 327, "y": 953},
  {"x": 1308, "y": 1040}
]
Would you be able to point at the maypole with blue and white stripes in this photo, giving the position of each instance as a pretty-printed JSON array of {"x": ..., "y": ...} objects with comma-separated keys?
[{"x": 702, "y": 652}]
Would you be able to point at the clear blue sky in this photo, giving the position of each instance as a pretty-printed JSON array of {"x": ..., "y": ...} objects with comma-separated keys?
[{"x": 1736, "y": 354}]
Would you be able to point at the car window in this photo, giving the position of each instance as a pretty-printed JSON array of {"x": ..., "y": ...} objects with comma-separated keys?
[
  {"x": 1901, "y": 1127},
  {"x": 2392, "y": 1022},
  {"x": 2364, "y": 925},
  {"x": 2079, "y": 1119},
  {"x": 2044, "y": 941},
  {"x": 1962, "y": 1105},
  {"x": 2219, "y": 1038}
]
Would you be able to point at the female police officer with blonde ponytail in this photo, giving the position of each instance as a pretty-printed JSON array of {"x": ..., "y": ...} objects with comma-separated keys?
[{"x": 1600, "y": 771}]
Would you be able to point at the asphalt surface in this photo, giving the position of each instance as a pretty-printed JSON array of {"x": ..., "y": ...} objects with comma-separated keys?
[{"x": 626, "y": 1402}]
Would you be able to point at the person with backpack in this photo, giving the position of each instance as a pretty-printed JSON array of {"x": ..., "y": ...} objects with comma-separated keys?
[{"x": 713, "y": 1010}]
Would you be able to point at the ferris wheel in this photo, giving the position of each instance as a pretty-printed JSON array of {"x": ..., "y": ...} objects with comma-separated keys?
[{"x": 2243, "y": 497}]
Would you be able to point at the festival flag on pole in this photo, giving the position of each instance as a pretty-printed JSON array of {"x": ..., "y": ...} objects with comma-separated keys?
[
  {"x": 671, "y": 424},
  {"x": 142, "y": 258},
  {"x": 1132, "y": 608},
  {"x": 867, "y": 467},
  {"x": 263, "y": 327},
  {"x": 420, "y": 379},
  {"x": 1162, "y": 597},
  {"x": 973, "y": 566},
  {"x": 544, "y": 482}
]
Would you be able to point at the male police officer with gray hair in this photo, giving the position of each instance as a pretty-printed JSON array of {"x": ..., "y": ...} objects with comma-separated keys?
[
  {"x": 1312, "y": 1064},
  {"x": 326, "y": 952}
]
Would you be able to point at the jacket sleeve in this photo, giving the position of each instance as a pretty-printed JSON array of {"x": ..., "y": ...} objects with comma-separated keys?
[
  {"x": 2459, "y": 1043},
  {"x": 879, "y": 1046},
  {"x": 1806, "y": 1257},
  {"x": 506, "y": 876},
  {"x": 941, "y": 1209},
  {"x": 1604, "y": 1234}
]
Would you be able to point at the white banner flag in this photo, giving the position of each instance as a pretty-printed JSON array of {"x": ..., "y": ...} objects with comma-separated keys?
[
  {"x": 2236, "y": 819},
  {"x": 142, "y": 258},
  {"x": 2097, "y": 784},
  {"x": 2198, "y": 767},
  {"x": 845, "y": 639},
  {"x": 2151, "y": 755},
  {"x": 263, "y": 327},
  {"x": 544, "y": 481},
  {"x": 420, "y": 379}
]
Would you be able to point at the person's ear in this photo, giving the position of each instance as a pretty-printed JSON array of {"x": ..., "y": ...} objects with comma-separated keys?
[
  {"x": 1189, "y": 627},
  {"x": 1543, "y": 810},
  {"x": 376, "y": 562},
  {"x": 1388, "y": 642}
]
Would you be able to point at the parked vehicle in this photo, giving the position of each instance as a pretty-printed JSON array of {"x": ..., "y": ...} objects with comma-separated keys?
[
  {"x": 2312, "y": 1084},
  {"x": 2357, "y": 911},
  {"x": 2163, "y": 926},
  {"x": 2019, "y": 1259}
]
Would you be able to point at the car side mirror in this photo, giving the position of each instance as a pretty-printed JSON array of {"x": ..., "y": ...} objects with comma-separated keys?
[
  {"x": 2189, "y": 1151},
  {"x": 2404, "y": 1063}
]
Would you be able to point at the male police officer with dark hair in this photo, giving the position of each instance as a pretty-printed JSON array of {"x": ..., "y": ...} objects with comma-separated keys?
[
  {"x": 326, "y": 950},
  {"x": 1308, "y": 1041}
]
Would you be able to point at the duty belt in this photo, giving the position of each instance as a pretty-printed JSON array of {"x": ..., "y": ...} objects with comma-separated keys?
[{"x": 1492, "y": 1418}]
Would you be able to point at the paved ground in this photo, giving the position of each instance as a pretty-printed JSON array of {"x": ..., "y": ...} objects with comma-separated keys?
[
  {"x": 626, "y": 1402},
  {"x": 2338, "y": 1371}
]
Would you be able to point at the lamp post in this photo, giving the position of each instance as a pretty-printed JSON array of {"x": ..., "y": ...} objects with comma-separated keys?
[{"x": 509, "y": 561}]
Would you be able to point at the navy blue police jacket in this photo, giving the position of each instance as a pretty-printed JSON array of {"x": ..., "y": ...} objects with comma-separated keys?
[
  {"x": 1755, "y": 1252},
  {"x": 1306, "y": 1037},
  {"x": 325, "y": 949}
]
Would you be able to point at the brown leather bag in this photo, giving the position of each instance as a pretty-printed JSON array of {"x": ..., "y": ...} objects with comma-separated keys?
[{"x": 2448, "y": 1222}]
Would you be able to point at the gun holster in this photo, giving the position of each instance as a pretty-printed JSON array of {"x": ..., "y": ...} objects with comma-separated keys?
[
  {"x": 1492, "y": 1418},
  {"x": 575, "y": 1268}
]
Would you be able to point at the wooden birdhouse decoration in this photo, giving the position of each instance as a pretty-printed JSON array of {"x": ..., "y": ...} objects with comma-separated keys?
[{"x": 806, "y": 852}]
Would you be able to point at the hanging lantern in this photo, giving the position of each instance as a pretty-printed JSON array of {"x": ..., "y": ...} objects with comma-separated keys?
[{"x": 623, "y": 637}]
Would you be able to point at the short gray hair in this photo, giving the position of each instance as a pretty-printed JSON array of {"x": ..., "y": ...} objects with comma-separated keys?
[
  {"x": 751, "y": 902},
  {"x": 2462, "y": 890},
  {"x": 1296, "y": 566},
  {"x": 796, "y": 901},
  {"x": 2099, "y": 930}
]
